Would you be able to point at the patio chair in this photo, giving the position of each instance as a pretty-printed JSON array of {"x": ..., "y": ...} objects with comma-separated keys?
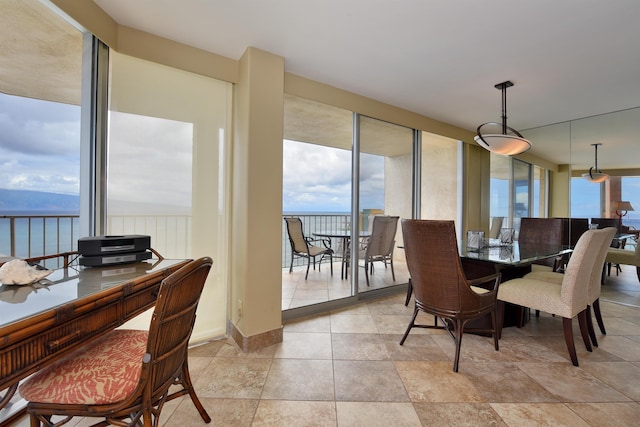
[
  {"x": 126, "y": 376},
  {"x": 302, "y": 247},
  {"x": 379, "y": 246},
  {"x": 440, "y": 285}
]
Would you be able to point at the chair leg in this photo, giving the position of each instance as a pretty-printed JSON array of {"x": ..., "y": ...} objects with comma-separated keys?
[
  {"x": 188, "y": 385},
  {"x": 500, "y": 317},
  {"x": 494, "y": 324},
  {"x": 458, "y": 338},
  {"x": 291, "y": 266},
  {"x": 308, "y": 265},
  {"x": 366, "y": 272},
  {"x": 596, "y": 311},
  {"x": 411, "y": 324},
  {"x": 584, "y": 329},
  {"x": 568, "y": 338},
  {"x": 393, "y": 273},
  {"x": 592, "y": 332},
  {"x": 409, "y": 292},
  {"x": 638, "y": 273}
]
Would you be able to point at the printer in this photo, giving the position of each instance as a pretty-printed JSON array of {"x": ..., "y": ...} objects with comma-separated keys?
[{"x": 107, "y": 250}]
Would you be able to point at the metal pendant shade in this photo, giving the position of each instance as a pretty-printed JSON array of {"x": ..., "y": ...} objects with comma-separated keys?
[
  {"x": 509, "y": 142},
  {"x": 595, "y": 174}
]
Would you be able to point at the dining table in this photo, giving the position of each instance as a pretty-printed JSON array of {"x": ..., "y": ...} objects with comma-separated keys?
[{"x": 344, "y": 240}]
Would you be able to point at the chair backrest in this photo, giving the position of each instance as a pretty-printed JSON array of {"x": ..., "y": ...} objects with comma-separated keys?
[
  {"x": 598, "y": 265},
  {"x": 172, "y": 323},
  {"x": 433, "y": 260},
  {"x": 577, "y": 277},
  {"x": 496, "y": 225},
  {"x": 606, "y": 222},
  {"x": 296, "y": 235},
  {"x": 383, "y": 236},
  {"x": 541, "y": 231}
]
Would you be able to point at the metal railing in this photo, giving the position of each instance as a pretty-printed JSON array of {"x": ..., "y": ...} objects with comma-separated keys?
[
  {"x": 313, "y": 223},
  {"x": 28, "y": 236}
]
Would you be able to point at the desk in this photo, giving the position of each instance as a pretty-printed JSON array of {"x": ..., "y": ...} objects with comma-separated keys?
[
  {"x": 345, "y": 237},
  {"x": 41, "y": 323}
]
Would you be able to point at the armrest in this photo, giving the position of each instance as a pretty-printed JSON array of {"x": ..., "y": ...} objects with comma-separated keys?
[{"x": 487, "y": 279}]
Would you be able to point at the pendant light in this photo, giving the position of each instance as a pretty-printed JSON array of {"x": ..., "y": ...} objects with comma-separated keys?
[
  {"x": 595, "y": 174},
  {"x": 503, "y": 143}
]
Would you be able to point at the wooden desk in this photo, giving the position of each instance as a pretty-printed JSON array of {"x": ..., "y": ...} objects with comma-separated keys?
[{"x": 41, "y": 323}]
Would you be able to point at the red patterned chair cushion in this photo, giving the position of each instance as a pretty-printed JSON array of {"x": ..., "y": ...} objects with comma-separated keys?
[{"x": 105, "y": 371}]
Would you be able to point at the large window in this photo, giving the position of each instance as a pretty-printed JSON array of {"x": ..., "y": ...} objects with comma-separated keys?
[
  {"x": 167, "y": 168},
  {"x": 40, "y": 90}
]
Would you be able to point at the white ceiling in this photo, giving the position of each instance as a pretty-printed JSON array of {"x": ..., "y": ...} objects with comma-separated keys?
[{"x": 568, "y": 59}]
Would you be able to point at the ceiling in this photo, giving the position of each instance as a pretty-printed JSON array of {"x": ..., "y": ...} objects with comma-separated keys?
[{"x": 568, "y": 59}]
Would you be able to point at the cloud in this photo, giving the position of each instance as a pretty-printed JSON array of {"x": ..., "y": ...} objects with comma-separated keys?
[{"x": 318, "y": 179}]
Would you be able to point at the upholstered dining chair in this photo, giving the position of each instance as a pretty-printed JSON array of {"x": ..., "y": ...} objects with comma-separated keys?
[
  {"x": 126, "y": 376},
  {"x": 619, "y": 256},
  {"x": 595, "y": 282},
  {"x": 302, "y": 246},
  {"x": 568, "y": 300},
  {"x": 379, "y": 245},
  {"x": 439, "y": 283}
]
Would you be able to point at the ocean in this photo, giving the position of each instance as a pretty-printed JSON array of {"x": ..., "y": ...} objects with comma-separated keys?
[{"x": 38, "y": 233}]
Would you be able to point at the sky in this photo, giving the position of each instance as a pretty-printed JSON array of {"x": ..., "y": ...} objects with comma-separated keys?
[
  {"x": 39, "y": 145},
  {"x": 318, "y": 179}
]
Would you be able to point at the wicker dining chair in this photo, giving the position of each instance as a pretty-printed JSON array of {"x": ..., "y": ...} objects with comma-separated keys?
[
  {"x": 125, "y": 376},
  {"x": 439, "y": 283}
]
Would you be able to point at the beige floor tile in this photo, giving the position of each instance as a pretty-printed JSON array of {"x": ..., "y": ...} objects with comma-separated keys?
[
  {"x": 369, "y": 381},
  {"x": 570, "y": 383},
  {"x": 419, "y": 347},
  {"x": 376, "y": 414},
  {"x": 623, "y": 347},
  {"x": 436, "y": 382},
  {"x": 233, "y": 378},
  {"x": 359, "y": 347},
  {"x": 277, "y": 413},
  {"x": 309, "y": 324},
  {"x": 621, "y": 376},
  {"x": 304, "y": 345},
  {"x": 504, "y": 382},
  {"x": 349, "y": 323},
  {"x": 458, "y": 414},
  {"x": 608, "y": 414},
  {"x": 538, "y": 415},
  {"x": 223, "y": 412},
  {"x": 295, "y": 379}
]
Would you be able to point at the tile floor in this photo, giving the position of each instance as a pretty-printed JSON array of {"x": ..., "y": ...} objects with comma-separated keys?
[{"x": 345, "y": 368}]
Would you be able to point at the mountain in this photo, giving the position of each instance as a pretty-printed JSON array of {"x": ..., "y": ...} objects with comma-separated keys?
[{"x": 22, "y": 200}]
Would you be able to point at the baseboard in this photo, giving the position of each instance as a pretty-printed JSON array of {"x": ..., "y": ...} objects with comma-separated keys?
[{"x": 254, "y": 342}]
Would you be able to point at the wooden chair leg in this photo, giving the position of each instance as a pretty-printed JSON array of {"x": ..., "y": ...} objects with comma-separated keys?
[
  {"x": 598, "y": 314},
  {"x": 500, "y": 317},
  {"x": 592, "y": 332},
  {"x": 494, "y": 324},
  {"x": 584, "y": 329},
  {"x": 568, "y": 338}
]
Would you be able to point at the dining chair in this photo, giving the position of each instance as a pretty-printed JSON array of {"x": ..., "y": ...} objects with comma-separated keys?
[
  {"x": 619, "y": 256},
  {"x": 302, "y": 246},
  {"x": 595, "y": 283},
  {"x": 380, "y": 244},
  {"x": 496, "y": 225},
  {"x": 568, "y": 300},
  {"x": 126, "y": 376},
  {"x": 439, "y": 283}
]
